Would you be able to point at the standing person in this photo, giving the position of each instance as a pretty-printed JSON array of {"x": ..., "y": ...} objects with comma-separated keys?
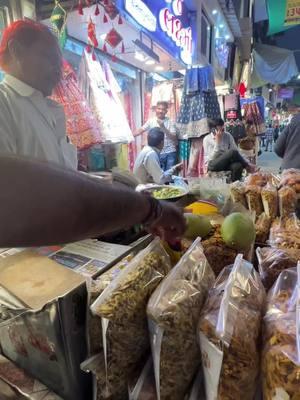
[
  {"x": 31, "y": 124},
  {"x": 147, "y": 166},
  {"x": 269, "y": 137},
  {"x": 276, "y": 133},
  {"x": 288, "y": 145},
  {"x": 168, "y": 155},
  {"x": 221, "y": 152}
]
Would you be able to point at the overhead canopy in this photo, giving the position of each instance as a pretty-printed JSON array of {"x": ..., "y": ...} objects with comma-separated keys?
[
  {"x": 273, "y": 65},
  {"x": 283, "y": 15}
]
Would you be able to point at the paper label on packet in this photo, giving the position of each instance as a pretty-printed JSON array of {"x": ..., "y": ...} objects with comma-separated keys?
[{"x": 212, "y": 359}]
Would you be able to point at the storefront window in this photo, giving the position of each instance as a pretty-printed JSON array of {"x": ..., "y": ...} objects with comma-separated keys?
[{"x": 206, "y": 32}]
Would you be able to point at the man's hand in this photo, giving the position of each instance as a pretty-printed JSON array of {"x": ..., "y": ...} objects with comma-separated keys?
[
  {"x": 171, "y": 225},
  {"x": 218, "y": 136},
  {"x": 178, "y": 167}
]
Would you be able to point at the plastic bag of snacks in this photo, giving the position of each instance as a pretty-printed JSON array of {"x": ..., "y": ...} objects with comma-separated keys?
[
  {"x": 122, "y": 309},
  {"x": 96, "y": 288},
  {"x": 272, "y": 261},
  {"x": 285, "y": 233},
  {"x": 287, "y": 201},
  {"x": 229, "y": 333},
  {"x": 262, "y": 226},
  {"x": 291, "y": 177},
  {"x": 173, "y": 314},
  {"x": 281, "y": 352},
  {"x": 269, "y": 197},
  {"x": 237, "y": 193},
  {"x": 253, "y": 196},
  {"x": 143, "y": 387},
  {"x": 257, "y": 179}
]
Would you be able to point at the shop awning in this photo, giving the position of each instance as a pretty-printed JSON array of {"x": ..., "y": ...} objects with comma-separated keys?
[{"x": 273, "y": 65}]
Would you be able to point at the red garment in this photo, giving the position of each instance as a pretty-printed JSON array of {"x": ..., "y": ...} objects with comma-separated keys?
[
  {"x": 82, "y": 127},
  {"x": 196, "y": 162}
]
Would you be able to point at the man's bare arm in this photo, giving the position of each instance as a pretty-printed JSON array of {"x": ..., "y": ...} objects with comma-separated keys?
[{"x": 41, "y": 204}]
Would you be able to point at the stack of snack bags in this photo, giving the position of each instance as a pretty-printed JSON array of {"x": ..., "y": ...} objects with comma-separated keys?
[
  {"x": 229, "y": 331},
  {"x": 173, "y": 314},
  {"x": 281, "y": 352},
  {"x": 122, "y": 309}
]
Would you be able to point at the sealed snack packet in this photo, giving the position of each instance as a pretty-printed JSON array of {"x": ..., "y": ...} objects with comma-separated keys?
[
  {"x": 281, "y": 352},
  {"x": 269, "y": 197},
  {"x": 229, "y": 333},
  {"x": 257, "y": 179},
  {"x": 122, "y": 309},
  {"x": 96, "y": 288},
  {"x": 262, "y": 226},
  {"x": 285, "y": 233},
  {"x": 143, "y": 386},
  {"x": 287, "y": 201},
  {"x": 272, "y": 261},
  {"x": 173, "y": 314},
  {"x": 253, "y": 196},
  {"x": 291, "y": 177},
  {"x": 237, "y": 193}
]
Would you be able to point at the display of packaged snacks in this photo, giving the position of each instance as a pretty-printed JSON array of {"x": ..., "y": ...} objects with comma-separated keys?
[
  {"x": 281, "y": 351},
  {"x": 142, "y": 387},
  {"x": 237, "y": 193},
  {"x": 173, "y": 314},
  {"x": 285, "y": 233},
  {"x": 217, "y": 253},
  {"x": 257, "y": 179},
  {"x": 96, "y": 288},
  {"x": 262, "y": 226},
  {"x": 291, "y": 177},
  {"x": 122, "y": 309},
  {"x": 269, "y": 197},
  {"x": 272, "y": 261},
  {"x": 287, "y": 201},
  {"x": 229, "y": 331},
  {"x": 254, "y": 201}
]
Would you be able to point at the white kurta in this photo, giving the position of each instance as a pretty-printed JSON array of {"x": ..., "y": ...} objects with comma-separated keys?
[{"x": 32, "y": 125}]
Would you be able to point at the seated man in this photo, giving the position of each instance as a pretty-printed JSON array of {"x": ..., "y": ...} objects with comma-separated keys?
[
  {"x": 221, "y": 152},
  {"x": 147, "y": 166}
]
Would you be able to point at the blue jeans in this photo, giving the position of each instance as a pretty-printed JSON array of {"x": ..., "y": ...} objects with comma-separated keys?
[{"x": 168, "y": 160}]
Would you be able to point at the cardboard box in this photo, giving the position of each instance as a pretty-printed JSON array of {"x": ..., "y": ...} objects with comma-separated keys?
[
  {"x": 16, "y": 384},
  {"x": 43, "y": 327}
]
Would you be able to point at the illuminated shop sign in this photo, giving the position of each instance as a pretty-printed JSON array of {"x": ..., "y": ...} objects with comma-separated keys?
[{"x": 167, "y": 22}]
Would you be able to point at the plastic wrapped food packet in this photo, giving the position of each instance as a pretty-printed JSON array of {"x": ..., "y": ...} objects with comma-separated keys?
[
  {"x": 257, "y": 179},
  {"x": 143, "y": 388},
  {"x": 285, "y": 233},
  {"x": 272, "y": 261},
  {"x": 229, "y": 333},
  {"x": 269, "y": 197},
  {"x": 197, "y": 389},
  {"x": 173, "y": 314},
  {"x": 287, "y": 201},
  {"x": 237, "y": 193},
  {"x": 262, "y": 226},
  {"x": 281, "y": 352},
  {"x": 96, "y": 288},
  {"x": 253, "y": 196},
  {"x": 122, "y": 309}
]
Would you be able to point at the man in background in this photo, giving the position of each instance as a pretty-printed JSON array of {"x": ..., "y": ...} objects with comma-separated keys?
[
  {"x": 269, "y": 137},
  {"x": 31, "y": 124},
  {"x": 221, "y": 152},
  {"x": 288, "y": 144},
  {"x": 147, "y": 166},
  {"x": 168, "y": 155}
]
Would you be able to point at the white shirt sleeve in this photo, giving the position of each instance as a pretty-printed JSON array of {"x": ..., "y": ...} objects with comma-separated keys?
[
  {"x": 154, "y": 169},
  {"x": 8, "y": 144}
]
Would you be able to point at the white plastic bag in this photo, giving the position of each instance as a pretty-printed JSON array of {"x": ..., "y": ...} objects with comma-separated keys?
[
  {"x": 122, "y": 309},
  {"x": 229, "y": 332},
  {"x": 281, "y": 353},
  {"x": 173, "y": 314}
]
